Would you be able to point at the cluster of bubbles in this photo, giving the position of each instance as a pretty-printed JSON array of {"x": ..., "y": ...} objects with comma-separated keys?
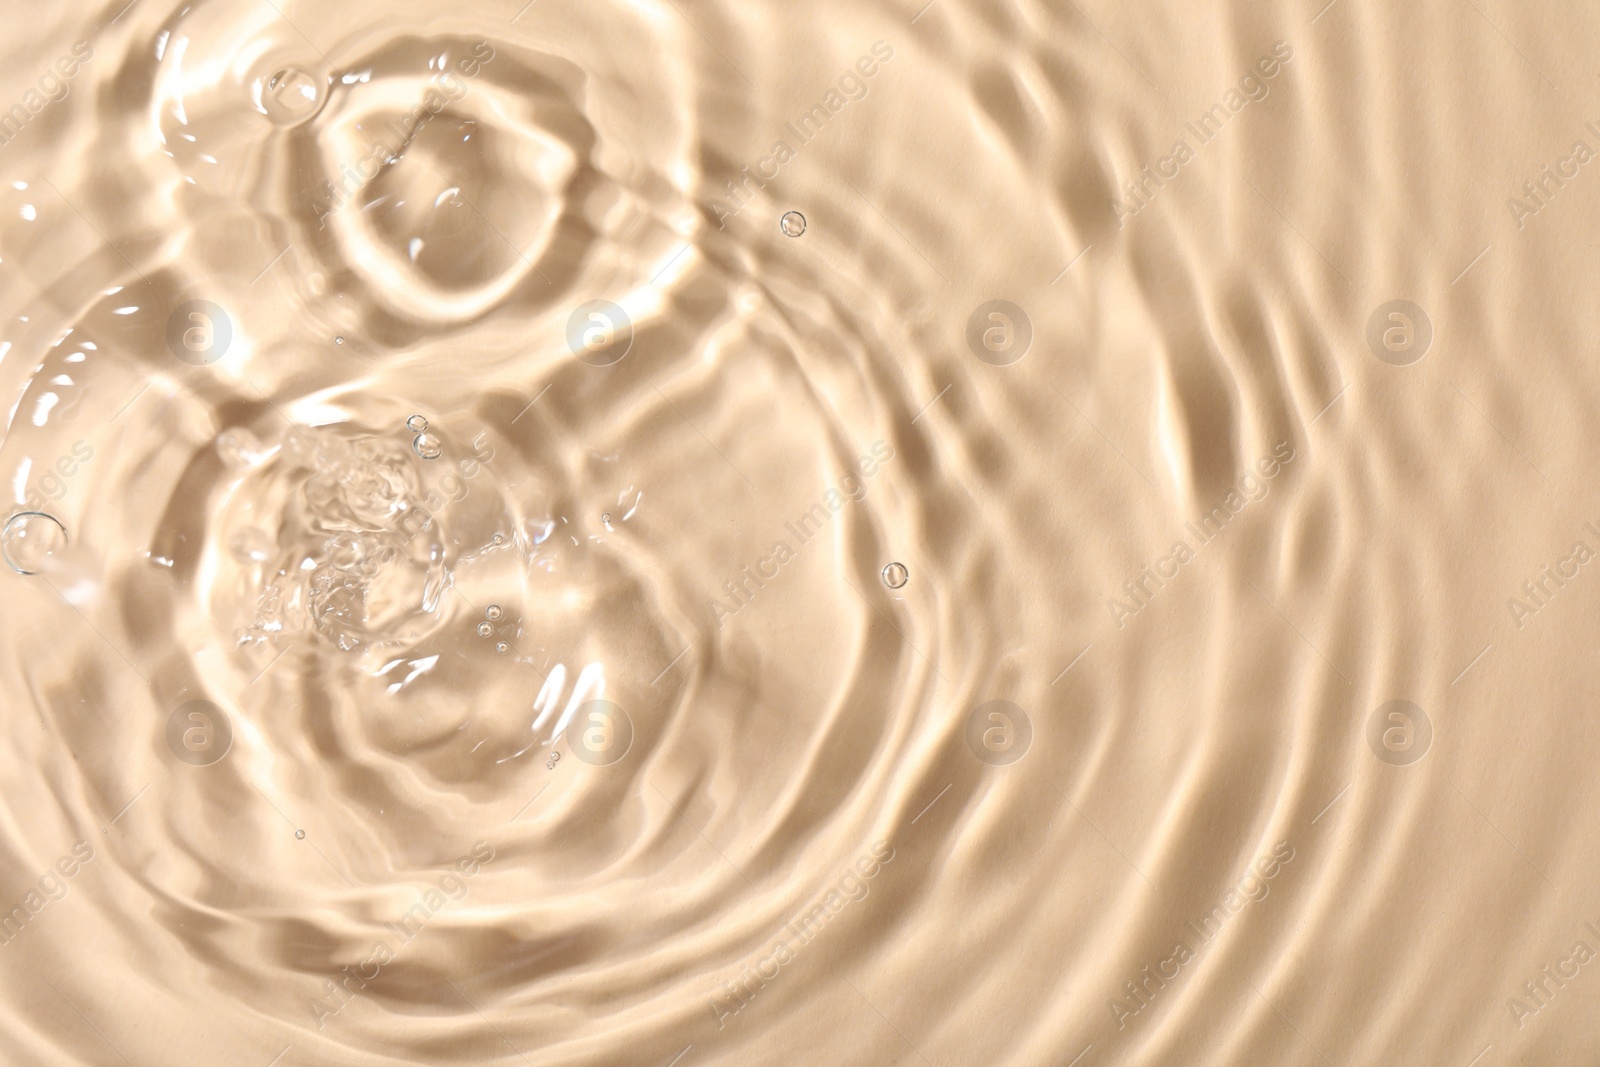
[
  {"x": 427, "y": 445},
  {"x": 492, "y": 614}
]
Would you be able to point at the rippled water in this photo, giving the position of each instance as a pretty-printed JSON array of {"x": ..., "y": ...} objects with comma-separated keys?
[{"x": 679, "y": 534}]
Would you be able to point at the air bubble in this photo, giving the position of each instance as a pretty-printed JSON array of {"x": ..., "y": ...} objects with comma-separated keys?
[
  {"x": 428, "y": 446},
  {"x": 300, "y": 835},
  {"x": 291, "y": 96},
  {"x": 493, "y": 612},
  {"x": 793, "y": 224},
  {"x": 896, "y": 575},
  {"x": 417, "y": 424},
  {"x": 502, "y": 648},
  {"x": 486, "y": 629},
  {"x": 30, "y": 539},
  {"x": 339, "y": 340}
]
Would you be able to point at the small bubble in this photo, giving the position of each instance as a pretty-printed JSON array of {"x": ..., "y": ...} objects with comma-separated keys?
[
  {"x": 502, "y": 648},
  {"x": 417, "y": 424},
  {"x": 793, "y": 224},
  {"x": 30, "y": 538},
  {"x": 292, "y": 95},
  {"x": 606, "y": 518},
  {"x": 895, "y": 575},
  {"x": 493, "y": 612},
  {"x": 498, "y": 539},
  {"x": 428, "y": 446},
  {"x": 300, "y": 835},
  {"x": 486, "y": 629},
  {"x": 338, "y": 340}
]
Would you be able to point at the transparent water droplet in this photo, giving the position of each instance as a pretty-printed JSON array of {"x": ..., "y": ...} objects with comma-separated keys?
[
  {"x": 29, "y": 540},
  {"x": 606, "y": 518},
  {"x": 793, "y": 224},
  {"x": 300, "y": 835},
  {"x": 417, "y": 424},
  {"x": 339, "y": 340},
  {"x": 896, "y": 575},
  {"x": 428, "y": 446},
  {"x": 291, "y": 95},
  {"x": 486, "y": 629},
  {"x": 493, "y": 612},
  {"x": 498, "y": 539},
  {"x": 502, "y": 648}
]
